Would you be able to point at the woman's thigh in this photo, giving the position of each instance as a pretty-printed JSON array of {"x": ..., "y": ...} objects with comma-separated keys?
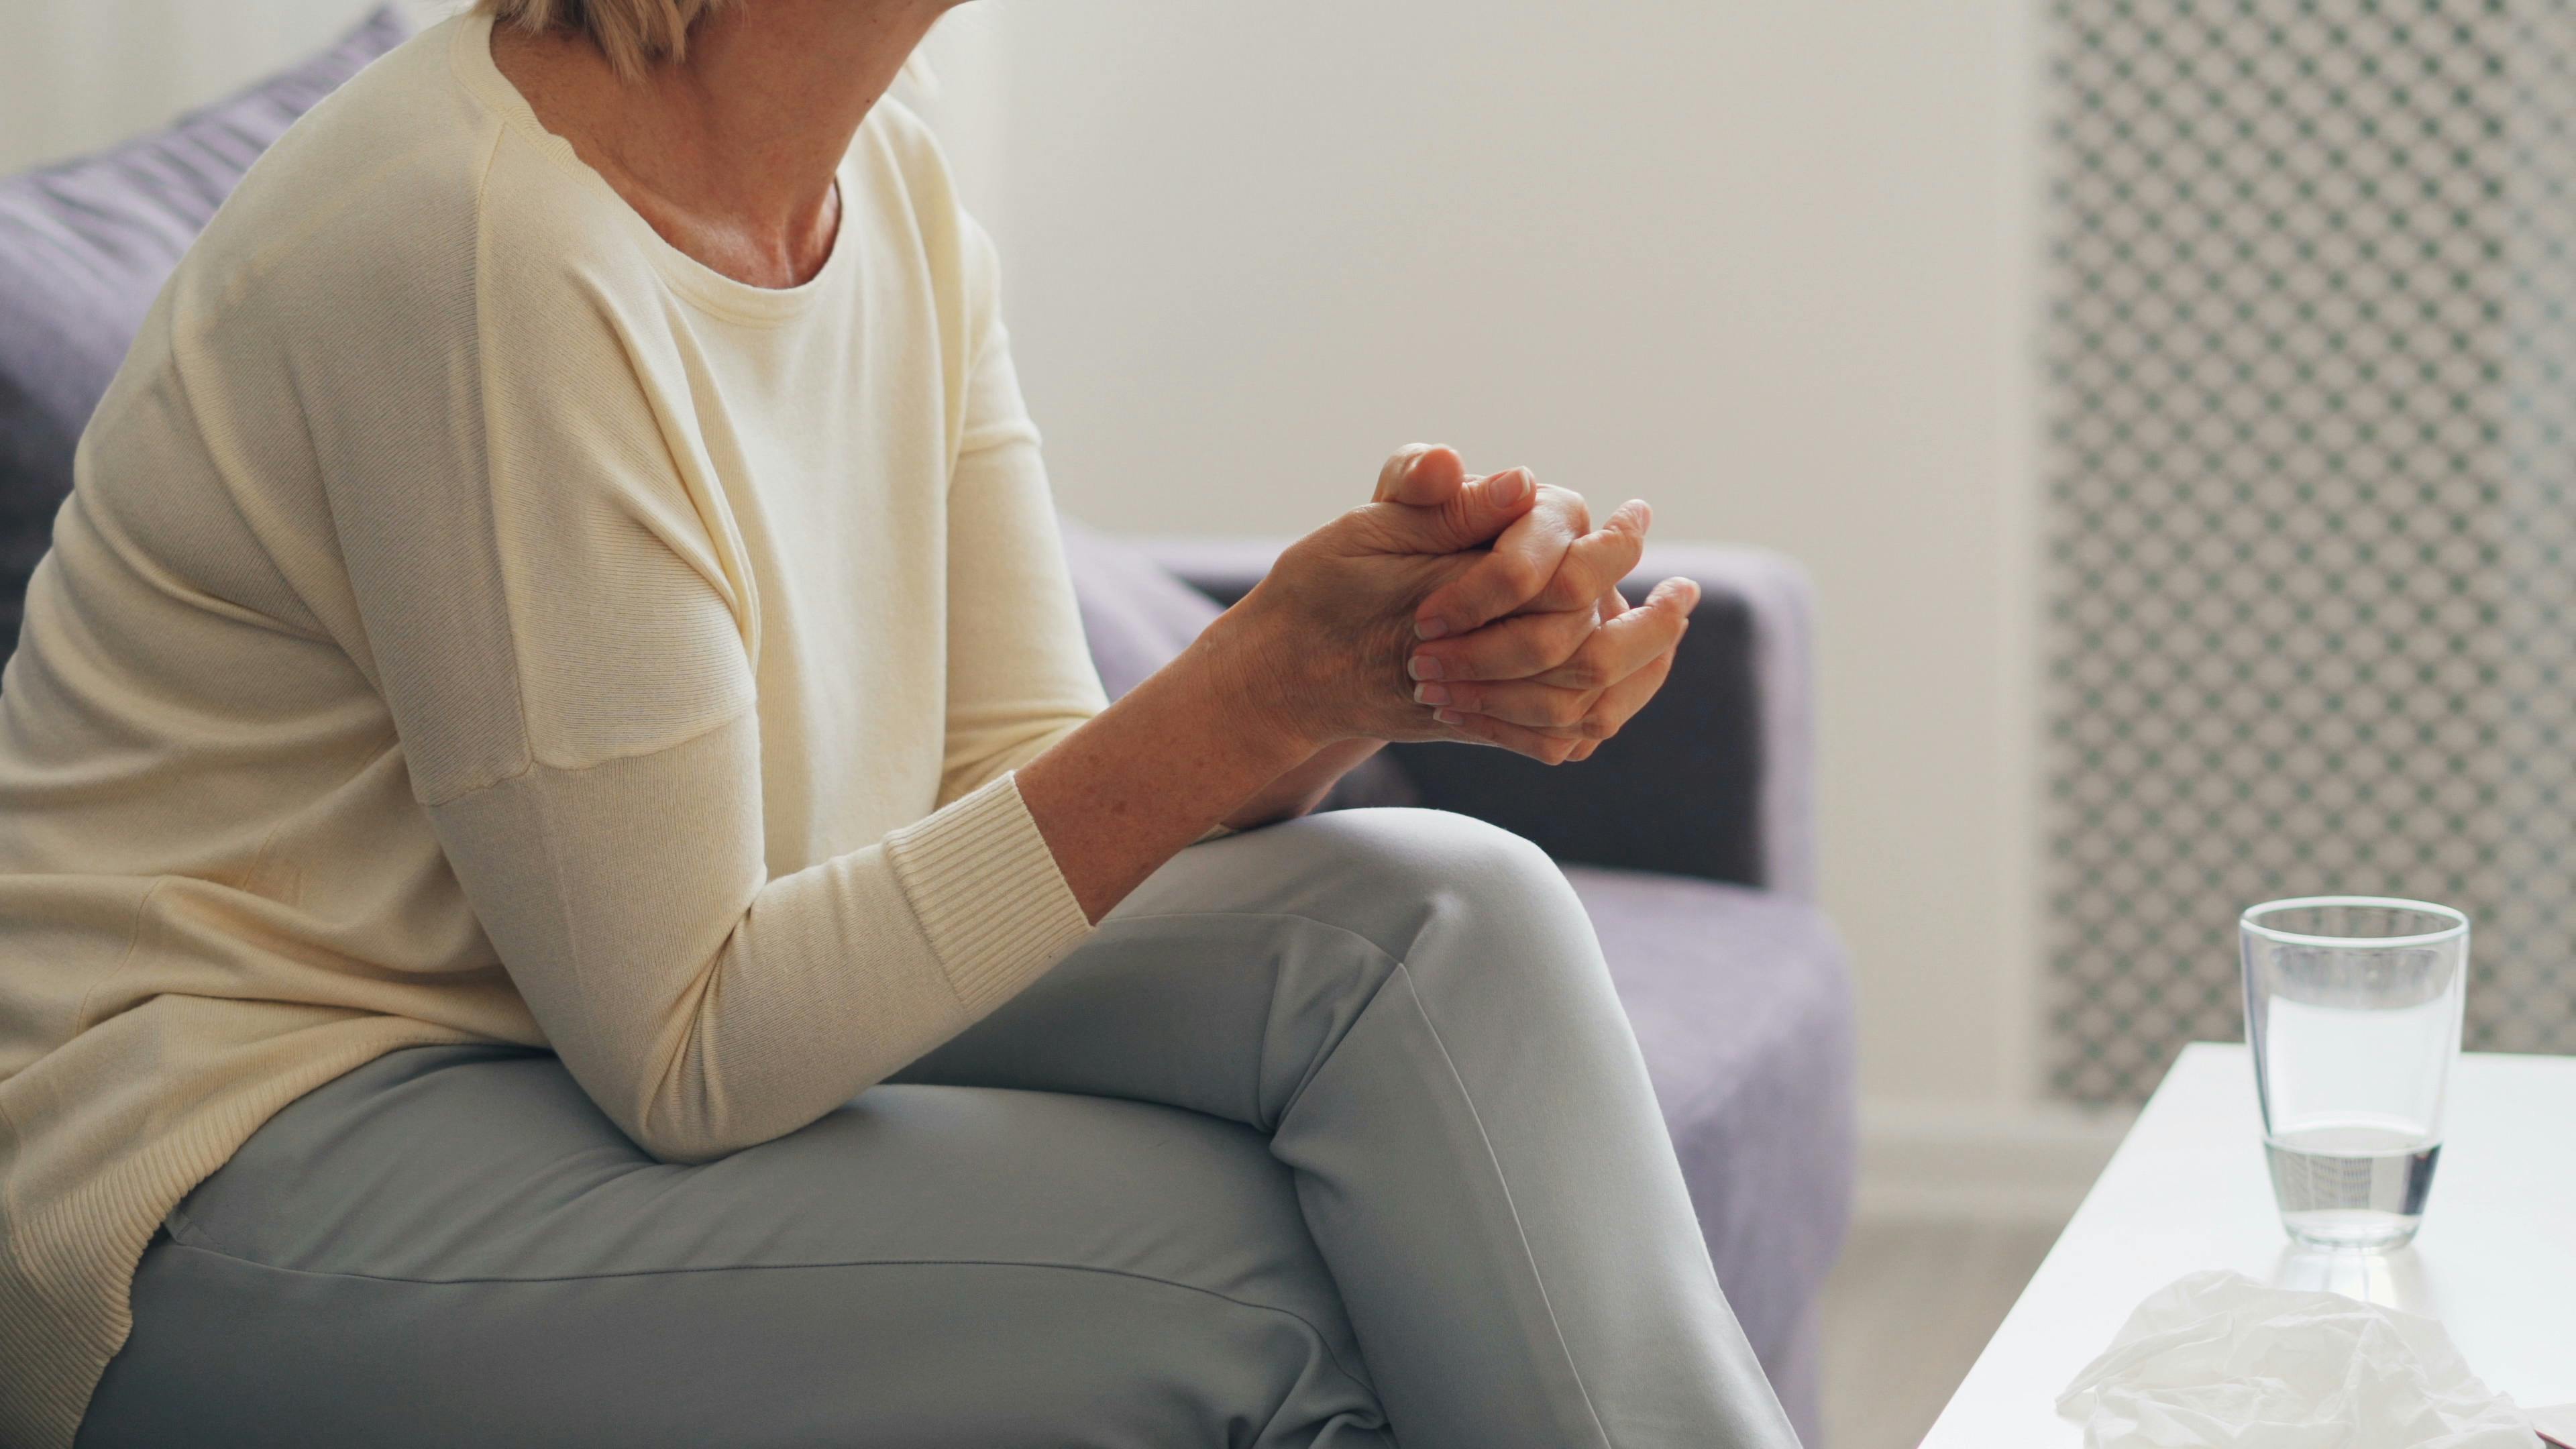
[
  {"x": 1414, "y": 1009},
  {"x": 452, "y": 1245}
]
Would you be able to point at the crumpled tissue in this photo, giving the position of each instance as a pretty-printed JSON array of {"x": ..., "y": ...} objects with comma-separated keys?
[{"x": 2218, "y": 1361}]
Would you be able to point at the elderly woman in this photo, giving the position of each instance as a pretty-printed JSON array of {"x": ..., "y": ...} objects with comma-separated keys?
[{"x": 567, "y": 879}]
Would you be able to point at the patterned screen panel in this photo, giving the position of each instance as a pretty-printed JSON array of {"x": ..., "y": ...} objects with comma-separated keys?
[{"x": 2311, "y": 524}]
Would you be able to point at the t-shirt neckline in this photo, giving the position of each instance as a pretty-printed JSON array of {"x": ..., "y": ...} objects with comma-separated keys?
[{"x": 470, "y": 50}]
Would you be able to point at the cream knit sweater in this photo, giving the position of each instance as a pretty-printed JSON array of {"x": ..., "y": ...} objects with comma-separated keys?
[{"x": 477, "y": 620}]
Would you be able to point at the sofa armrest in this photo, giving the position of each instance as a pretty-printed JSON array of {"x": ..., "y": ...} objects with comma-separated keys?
[{"x": 1714, "y": 779}]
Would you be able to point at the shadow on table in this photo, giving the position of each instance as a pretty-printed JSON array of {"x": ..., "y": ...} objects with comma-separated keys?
[{"x": 2395, "y": 1279}]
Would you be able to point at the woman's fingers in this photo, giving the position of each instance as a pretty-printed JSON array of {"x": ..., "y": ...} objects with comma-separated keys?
[
  {"x": 1589, "y": 570},
  {"x": 1515, "y": 648},
  {"x": 1479, "y": 729},
  {"x": 1622, "y": 645},
  {"x": 1593, "y": 714},
  {"x": 1619, "y": 704},
  {"x": 1599, "y": 559},
  {"x": 1524, "y": 558},
  {"x": 1513, "y": 701},
  {"x": 1567, "y": 648},
  {"x": 1476, "y": 513},
  {"x": 1521, "y": 714},
  {"x": 1421, "y": 475},
  {"x": 1613, "y": 604}
]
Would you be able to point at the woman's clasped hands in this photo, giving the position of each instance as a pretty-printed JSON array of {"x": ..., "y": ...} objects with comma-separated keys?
[{"x": 1450, "y": 607}]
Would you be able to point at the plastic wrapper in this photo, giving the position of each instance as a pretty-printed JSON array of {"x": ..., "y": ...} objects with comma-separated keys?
[{"x": 2218, "y": 1361}]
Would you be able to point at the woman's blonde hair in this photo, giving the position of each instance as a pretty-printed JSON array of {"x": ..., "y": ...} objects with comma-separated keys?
[{"x": 634, "y": 34}]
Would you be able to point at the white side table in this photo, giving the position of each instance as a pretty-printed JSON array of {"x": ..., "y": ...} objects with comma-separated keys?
[{"x": 2496, "y": 1260}]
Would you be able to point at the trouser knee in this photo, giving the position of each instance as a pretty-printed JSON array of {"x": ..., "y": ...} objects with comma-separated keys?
[{"x": 1465, "y": 906}]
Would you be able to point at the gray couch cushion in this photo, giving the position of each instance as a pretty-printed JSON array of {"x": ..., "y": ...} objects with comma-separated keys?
[
  {"x": 1741, "y": 1000},
  {"x": 85, "y": 247}
]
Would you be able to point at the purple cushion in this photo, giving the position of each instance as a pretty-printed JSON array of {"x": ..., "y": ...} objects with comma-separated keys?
[
  {"x": 84, "y": 248},
  {"x": 1742, "y": 1004}
]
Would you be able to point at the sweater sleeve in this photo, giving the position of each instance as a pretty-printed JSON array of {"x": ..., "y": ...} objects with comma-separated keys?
[
  {"x": 566, "y": 643},
  {"x": 1020, "y": 675}
]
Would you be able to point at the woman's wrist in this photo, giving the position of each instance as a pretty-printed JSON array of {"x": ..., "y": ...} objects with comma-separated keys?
[
  {"x": 1185, "y": 749},
  {"x": 1255, "y": 674}
]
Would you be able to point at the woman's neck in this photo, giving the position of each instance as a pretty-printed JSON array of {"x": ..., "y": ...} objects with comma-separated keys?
[{"x": 730, "y": 151}]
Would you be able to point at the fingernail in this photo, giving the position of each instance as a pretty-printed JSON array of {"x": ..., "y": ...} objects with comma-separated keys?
[
  {"x": 1447, "y": 716},
  {"x": 1430, "y": 694},
  {"x": 1508, "y": 487},
  {"x": 1429, "y": 629},
  {"x": 1645, "y": 514},
  {"x": 1423, "y": 666}
]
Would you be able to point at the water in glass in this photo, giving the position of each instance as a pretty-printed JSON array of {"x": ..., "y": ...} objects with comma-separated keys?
[{"x": 2353, "y": 1011}]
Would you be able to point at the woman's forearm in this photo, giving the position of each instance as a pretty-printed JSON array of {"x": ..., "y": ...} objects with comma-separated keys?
[
  {"x": 1302, "y": 678},
  {"x": 1192, "y": 747}
]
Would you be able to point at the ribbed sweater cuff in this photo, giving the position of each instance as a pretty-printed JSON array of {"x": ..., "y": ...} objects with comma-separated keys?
[{"x": 988, "y": 894}]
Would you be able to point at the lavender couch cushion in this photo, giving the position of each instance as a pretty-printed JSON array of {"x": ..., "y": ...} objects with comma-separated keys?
[
  {"x": 1742, "y": 1004},
  {"x": 85, "y": 247}
]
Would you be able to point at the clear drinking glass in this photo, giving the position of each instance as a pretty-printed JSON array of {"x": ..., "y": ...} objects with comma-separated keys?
[{"x": 2352, "y": 1005}]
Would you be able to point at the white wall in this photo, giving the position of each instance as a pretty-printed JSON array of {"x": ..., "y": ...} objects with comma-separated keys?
[
  {"x": 78, "y": 74},
  {"x": 1765, "y": 263}
]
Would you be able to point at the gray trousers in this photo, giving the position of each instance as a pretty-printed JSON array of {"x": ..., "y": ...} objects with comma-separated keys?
[{"x": 1334, "y": 1134}]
